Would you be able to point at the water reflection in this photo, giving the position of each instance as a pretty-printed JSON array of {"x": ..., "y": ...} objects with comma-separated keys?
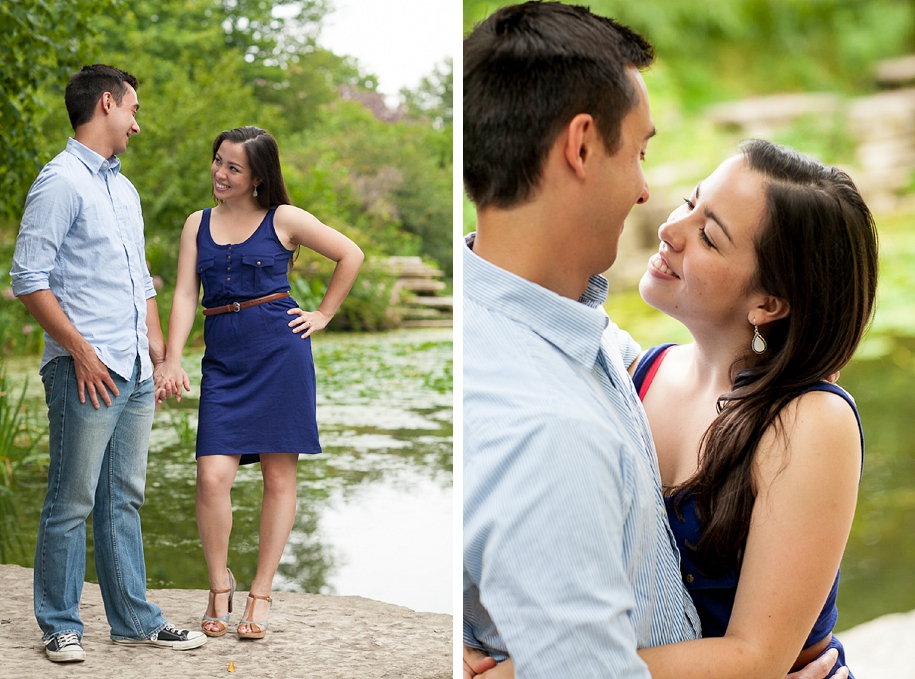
[
  {"x": 877, "y": 566},
  {"x": 385, "y": 413}
]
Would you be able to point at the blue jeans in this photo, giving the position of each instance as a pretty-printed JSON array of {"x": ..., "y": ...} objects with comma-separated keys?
[{"x": 98, "y": 465}]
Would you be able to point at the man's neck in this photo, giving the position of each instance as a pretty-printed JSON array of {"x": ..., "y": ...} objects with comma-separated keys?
[
  {"x": 529, "y": 243},
  {"x": 93, "y": 141}
]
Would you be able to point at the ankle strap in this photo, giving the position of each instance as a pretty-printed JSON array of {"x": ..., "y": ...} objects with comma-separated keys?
[{"x": 262, "y": 598}]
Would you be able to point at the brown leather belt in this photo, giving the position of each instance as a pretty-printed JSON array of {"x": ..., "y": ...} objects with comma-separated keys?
[{"x": 238, "y": 306}]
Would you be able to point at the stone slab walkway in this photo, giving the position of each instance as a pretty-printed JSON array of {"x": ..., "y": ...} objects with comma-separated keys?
[{"x": 310, "y": 635}]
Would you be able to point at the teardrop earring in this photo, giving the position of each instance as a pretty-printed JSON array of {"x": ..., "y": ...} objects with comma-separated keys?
[
  {"x": 255, "y": 192},
  {"x": 758, "y": 344}
]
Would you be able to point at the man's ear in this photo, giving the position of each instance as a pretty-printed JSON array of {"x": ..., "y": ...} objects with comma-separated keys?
[{"x": 579, "y": 143}]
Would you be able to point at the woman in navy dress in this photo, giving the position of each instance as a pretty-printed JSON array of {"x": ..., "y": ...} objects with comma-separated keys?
[
  {"x": 257, "y": 393},
  {"x": 771, "y": 264}
]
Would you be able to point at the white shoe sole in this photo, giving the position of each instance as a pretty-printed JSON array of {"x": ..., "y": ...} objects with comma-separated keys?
[
  {"x": 66, "y": 656},
  {"x": 174, "y": 645}
]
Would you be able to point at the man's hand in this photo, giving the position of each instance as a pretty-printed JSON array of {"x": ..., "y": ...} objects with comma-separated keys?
[
  {"x": 504, "y": 670},
  {"x": 477, "y": 662},
  {"x": 92, "y": 375},
  {"x": 819, "y": 668}
]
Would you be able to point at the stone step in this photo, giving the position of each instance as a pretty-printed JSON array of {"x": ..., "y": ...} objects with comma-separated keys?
[
  {"x": 421, "y": 284},
  {"x": 437, "y": 302},
  {"x": 443, "y": 323}
]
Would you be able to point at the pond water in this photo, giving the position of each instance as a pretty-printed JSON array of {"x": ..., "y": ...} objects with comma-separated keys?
[{"x": 374, "y": 510}]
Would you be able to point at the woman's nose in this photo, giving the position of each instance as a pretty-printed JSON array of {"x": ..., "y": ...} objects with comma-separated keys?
[{"x": 671, "y": 232}]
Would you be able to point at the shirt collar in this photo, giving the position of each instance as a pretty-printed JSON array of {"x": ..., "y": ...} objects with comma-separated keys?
[
  {"x": 573, "y": 327},
  {"x": 93, "y": 160}
]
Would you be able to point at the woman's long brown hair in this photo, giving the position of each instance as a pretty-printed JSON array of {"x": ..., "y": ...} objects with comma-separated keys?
[{"x": 817, "y": 250}]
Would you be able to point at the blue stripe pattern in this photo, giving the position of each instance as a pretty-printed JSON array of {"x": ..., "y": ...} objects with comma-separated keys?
[
  {"x": 82, "y": 238},
  {"x": 569, "y": 563}
]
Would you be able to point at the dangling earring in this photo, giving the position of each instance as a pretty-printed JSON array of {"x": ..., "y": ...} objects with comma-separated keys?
[
  {"x": 758, "y": 344},
  {"x": 255, "y": 192}
]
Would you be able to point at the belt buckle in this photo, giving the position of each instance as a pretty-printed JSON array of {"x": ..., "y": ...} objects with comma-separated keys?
[{"x": 237, "y": 307}]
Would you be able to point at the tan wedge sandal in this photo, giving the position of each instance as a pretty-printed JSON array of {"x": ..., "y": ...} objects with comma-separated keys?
[
  {"x": 221, "y": 623},
  {"x": 256, "y": 629}
]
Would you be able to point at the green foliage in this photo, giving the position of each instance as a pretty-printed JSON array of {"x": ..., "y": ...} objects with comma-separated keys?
[
  {"x": 726, "y": 49},
  {"x": 41, "y": 43},
  {"x": 434, "y": 98},
  {"x": 366, "y": 306},
  {"x": 209, "y": 65},
  {"x": 391, "y": 181},
  {"x": 19, "y": 437}
]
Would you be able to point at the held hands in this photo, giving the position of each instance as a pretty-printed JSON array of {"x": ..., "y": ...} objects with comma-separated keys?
[
  {"x": 168, "y": 380},
  {"x": 477, "y": 662},
  {"x": 307, "y": 322}
]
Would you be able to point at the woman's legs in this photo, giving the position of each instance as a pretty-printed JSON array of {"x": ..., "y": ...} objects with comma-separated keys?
[
  {"x": 277, "y": 517},
  {"x": 215, "y": 475}
]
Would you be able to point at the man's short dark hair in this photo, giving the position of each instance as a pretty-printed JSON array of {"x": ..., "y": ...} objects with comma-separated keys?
[
  {"x": 86, "y": 87},
  {"x": 528, "y": 70}
]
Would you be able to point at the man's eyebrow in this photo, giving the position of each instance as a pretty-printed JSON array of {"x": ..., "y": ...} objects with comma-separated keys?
[{"x": 711, "y": 215}]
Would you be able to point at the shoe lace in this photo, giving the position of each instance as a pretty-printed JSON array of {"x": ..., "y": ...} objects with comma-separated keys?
[
  {"x": 174, "y": 630},
  {"x": 67, "y": 639}
]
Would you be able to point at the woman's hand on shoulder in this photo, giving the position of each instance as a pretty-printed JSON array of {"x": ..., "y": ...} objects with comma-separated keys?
[{"x": 307, "y": 322}]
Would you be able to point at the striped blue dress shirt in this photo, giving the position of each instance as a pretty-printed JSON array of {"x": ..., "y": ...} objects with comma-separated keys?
[
  {"x": 82, "y": 238},
  {"x": 569, "y": 562}
]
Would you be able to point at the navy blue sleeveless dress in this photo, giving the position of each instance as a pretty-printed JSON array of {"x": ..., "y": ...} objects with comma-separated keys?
[
  {"x": 257, "y": 394},
  {"x": 714, "y": 597}
]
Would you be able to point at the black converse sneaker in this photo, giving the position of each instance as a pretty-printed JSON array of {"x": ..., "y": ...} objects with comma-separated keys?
[
  {"x": 65, "y": 648},
  {"x": 169, "y": 637}
]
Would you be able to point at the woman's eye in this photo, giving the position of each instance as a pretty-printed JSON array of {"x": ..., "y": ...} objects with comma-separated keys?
[
  {"x": 705, "y": 238},
  {"x": 689, "y": 203}
]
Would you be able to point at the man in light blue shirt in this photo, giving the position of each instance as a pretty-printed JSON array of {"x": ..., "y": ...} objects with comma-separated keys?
[
  {"x": 80, "y": 269},
  {"x": 569, "y": 563}
]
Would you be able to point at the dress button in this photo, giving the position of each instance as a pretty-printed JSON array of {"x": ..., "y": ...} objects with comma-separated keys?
[
  {"x": 689, "y": 578},
  {"x": 228, "y": 278},
  {"x": 258, "y": 262}
]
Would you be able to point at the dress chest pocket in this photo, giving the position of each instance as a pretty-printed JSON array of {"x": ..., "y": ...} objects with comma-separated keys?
[
  {"x": 256, "y": 274},
  {"x": 206, "y": 271}
]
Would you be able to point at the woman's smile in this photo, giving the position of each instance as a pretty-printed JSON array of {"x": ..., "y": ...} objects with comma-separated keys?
[{"x": 657, "y": 266}]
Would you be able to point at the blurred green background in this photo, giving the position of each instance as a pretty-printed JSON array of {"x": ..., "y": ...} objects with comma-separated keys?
[{"x": 720, "y": 51}]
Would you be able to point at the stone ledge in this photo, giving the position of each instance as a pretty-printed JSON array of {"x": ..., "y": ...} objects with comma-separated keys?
[
  {"x": 879, "y": 649},
  {"x": 309, "y": 635}
]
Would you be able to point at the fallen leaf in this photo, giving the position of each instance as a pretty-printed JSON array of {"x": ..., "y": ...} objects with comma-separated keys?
[{"x": 232, "y": 666}]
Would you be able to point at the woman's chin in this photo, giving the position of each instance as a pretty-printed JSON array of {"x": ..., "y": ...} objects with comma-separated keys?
[{"x": 646, "y": 291}]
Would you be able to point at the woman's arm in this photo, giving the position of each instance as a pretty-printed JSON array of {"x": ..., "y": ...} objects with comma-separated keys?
[
  {"x": 298, "y": 227},
  {"x": 184, "y": 308},
  {"x": 807, "y": 476}
]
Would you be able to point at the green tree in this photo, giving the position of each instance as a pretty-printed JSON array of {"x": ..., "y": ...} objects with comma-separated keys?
[
  {"x": 41, "y": 43},
  {"x": 434, "y": 98}
]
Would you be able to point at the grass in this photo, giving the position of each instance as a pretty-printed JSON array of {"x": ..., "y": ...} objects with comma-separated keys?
[{"x": 19, "y": 437}]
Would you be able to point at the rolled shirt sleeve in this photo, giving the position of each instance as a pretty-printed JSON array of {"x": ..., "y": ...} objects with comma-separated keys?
[{"x": 81, "y": 237}]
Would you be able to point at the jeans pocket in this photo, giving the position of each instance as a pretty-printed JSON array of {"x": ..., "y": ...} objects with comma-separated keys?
[{"x": 47, "y": 378}]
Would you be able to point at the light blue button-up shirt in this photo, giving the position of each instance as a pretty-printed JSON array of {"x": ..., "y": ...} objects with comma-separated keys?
[
  {"x": 569, "y": 562},
  {"x": 82, "y": 238}
]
